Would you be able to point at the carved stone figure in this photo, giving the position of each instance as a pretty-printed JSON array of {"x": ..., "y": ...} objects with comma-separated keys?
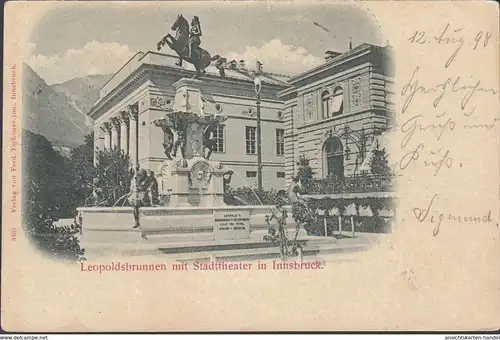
[
  {"x": 227, "y": 179},
  {"x": 180, "y": 142},
  {"x": 151, "y": 186},
  {"x": 138, "y": 193},
  {"x": 220, "y": 64},
  {"x": 168, "y": 145},
  {"x": 209, "y": 141}
]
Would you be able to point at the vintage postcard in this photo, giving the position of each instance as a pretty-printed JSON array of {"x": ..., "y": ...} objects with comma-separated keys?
[{"x": 250, "y": 166}]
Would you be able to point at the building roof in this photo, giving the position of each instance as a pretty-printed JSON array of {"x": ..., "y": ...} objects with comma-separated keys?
[
  {"x": 334, "y": 61},
  {"x": 167, "y": 60},
  {"x": 350, "y": 55}
]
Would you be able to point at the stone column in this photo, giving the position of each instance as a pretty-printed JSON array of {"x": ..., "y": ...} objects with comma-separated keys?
[
  {"x": 124, "y": 123},
  {"x": 133, "y": 135},
  {"x": 106, "y": 128},
  {"x": 115, "y": 131},
  {"x": 98, "y": 137},
  {"x": 99, "y": 134}
]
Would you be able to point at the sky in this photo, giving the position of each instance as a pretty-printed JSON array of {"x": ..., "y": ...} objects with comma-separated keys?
[{"x": 82, "y": 38}]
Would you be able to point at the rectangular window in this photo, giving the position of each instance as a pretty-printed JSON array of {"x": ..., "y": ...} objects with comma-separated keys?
[
  {"x": 280, "y": 142},
  {"x": 280, "y": 174},
  {"x": 218, "y": 137},
  {"x": 251, "y": 174},
  {"x": 250, "y": 133}
]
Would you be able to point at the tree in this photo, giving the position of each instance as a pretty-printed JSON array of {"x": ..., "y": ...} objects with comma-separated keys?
[
  {"x": 379, "y": 164},
  {"x": 112, "y": 177},
  {"x": 59, "y": 242},
  {"x": 48, "y": 194},
  {"x": 278, "y": 232},
  {"x": 51, "y": 172},
  {"x": 82, "y": 163},
  {"x": 305, "y": 174}
]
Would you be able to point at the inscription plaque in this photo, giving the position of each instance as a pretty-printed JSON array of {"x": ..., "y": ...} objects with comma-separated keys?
[{"x": 231, "y": 224}]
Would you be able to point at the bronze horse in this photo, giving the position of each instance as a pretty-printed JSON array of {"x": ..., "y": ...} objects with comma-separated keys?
[{"x": 200, "y": 58}]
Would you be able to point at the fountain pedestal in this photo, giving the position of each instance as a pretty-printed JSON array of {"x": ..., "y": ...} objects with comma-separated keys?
[
  {"x": 195, "y": 183},
  {"x": 189, "y": 179}
]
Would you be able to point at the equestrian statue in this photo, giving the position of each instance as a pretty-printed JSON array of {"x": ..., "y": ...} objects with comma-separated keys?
[{"x": 186, "y": 44}]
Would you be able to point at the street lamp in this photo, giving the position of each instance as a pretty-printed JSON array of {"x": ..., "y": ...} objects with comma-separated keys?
[{"x": 258, "y": 85}]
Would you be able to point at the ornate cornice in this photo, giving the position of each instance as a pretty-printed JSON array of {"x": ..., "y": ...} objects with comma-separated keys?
[
  {"x": 103, "y": 103},
  {"x": 246, "y": 87}
]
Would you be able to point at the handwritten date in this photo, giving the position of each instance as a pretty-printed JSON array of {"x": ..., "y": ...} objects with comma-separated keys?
[{"x": 452, "y": 36}]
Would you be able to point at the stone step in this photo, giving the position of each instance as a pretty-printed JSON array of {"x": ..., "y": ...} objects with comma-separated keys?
[{"x": 211, "y": 250}]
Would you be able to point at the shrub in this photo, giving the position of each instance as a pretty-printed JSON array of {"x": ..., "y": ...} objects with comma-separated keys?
[
  {"x": 305, "y": 174},
  {"x": 82, "y": 163},
  {"x": 112, "y": 178},
  {"x": 379, "y": 164},
  {"x": 38, "y": 222},
  {"x": 249, "y": 196}
]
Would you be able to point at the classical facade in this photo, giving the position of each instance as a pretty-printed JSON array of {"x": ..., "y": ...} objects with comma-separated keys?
[
  {"x": 142, "y": 92},
  {"x": 334, "y": 112}
]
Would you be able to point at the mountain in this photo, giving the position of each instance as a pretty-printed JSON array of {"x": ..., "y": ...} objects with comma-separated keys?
[
  {"x": 82, "y": 92},
  {"x": 57, "y": 112}
]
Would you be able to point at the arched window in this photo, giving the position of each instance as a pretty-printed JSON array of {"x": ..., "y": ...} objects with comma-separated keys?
[
  {"x": 325, "y": 104},
  {"x": 337, "y": 102},
  {"x": 333, "y": 158}
]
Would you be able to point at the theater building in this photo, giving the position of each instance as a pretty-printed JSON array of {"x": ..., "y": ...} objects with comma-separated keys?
[
  {"x": 334, "y": 112},
  {"x": 141, "y": 92}
]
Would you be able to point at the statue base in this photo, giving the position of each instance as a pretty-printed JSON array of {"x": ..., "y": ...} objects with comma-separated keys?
[{"x": 194, "y": 182}]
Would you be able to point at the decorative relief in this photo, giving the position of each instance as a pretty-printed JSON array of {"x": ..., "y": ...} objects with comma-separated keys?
[
  {"x": 200, "y": 175},
  {"x": 296, "y": 114},
  {"x": 356, "y": 92},
  {"x": 300, "y": 109},
  {"x": 250, "y": 112},
  {"x": 162, "y": 103},
  {"x": 309, "y": 106}
]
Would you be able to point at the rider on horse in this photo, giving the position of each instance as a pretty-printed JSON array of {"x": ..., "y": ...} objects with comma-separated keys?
[
  {"x": 194, "y": 37},
  {"x": 186, "y": 44}
]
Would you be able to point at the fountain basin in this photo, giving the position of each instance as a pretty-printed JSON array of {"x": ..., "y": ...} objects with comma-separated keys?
[{"x": 114, "y": 224}]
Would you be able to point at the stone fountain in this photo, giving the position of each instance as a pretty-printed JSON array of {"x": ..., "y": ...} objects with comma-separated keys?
[
  {"x": 192, "y": 217},
  {"x": 188, "y": 177}
]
